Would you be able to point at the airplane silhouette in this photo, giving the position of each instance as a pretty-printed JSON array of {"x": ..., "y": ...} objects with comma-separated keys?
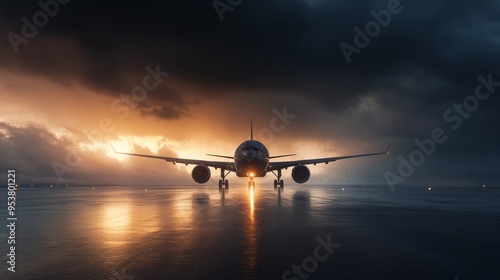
[{"x": 251, "y": 159}]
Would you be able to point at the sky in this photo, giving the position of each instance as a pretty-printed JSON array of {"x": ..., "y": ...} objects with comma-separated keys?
[{"x": 184, "y": 78}]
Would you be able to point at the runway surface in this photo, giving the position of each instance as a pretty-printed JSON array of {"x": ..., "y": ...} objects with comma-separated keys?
[{"x": 313, "y": 232}]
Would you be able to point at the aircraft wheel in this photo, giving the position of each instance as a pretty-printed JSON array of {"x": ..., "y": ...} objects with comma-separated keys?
[
  {"x": 275, "y": 183},
  {"x": 220, "y": 184},
  {"x": 226, "y": 183},
  {"x": 282, "y": 184},
  {"x": 253, "y": 184}
]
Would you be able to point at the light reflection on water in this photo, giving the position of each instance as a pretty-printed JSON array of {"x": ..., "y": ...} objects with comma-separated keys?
[
  {"x": 251, "y": 244},
  {"x": 204, "y": 233},
  {"x": 181, "y": 214},
  {"x": 116, "y": 218}
]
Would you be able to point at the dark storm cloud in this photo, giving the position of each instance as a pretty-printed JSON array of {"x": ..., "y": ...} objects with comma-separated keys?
[
  {"x": 31, "y": 149},
  {"x": 261, "y": 44},
  {"x": 40, "y": 156},
  {"x": 168, "y": 113}
]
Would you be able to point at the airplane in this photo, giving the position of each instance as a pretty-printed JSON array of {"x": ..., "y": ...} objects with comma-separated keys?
[{"x": 251, "y": 159}]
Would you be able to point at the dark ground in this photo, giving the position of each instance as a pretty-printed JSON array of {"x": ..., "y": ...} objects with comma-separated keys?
[{"x": 202, "y": 233}]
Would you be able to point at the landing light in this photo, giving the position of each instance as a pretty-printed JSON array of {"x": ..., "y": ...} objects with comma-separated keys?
[{"x": 251, "y": 174}]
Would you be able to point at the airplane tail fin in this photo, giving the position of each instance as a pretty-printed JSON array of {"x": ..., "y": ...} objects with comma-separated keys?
[{"x": 251, "y": 129}]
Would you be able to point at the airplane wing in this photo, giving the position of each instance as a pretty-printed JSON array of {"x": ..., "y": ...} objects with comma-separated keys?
[
  {"x": 217, "y": 164},
  {"x": 284, "y": 164}
]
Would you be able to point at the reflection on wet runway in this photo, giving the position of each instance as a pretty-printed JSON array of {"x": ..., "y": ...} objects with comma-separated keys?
[
  {"x": 250, "y": 248},
  {"x": 250, "y": 233}
]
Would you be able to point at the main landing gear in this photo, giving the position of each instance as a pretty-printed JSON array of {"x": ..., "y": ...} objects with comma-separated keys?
[
  {"x": 223, "y": 181},
  {"x": 278, "y": 181}
]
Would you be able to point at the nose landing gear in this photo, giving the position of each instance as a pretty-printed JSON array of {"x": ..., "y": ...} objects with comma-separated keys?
[{"x": 251, "y": 183}]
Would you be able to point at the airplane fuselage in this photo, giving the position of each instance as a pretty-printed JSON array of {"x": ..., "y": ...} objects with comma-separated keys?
[{"x": 251, "y": 159}]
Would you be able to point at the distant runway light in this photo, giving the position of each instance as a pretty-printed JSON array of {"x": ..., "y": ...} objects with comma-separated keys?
[
  {"x": 342, "y": 188},
  {"x": 429, "y": 189}
]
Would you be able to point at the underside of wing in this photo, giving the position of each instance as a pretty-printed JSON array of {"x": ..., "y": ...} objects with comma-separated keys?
[
  {"x": 174, "y": 160},
  {"x": 284, "y": 164}
]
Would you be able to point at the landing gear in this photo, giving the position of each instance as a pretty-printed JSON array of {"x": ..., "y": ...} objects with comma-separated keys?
[
  {"x": 251, "y": 183},
  {"x": 278, "y": 181},
  {"x": 223, "y": 181}
]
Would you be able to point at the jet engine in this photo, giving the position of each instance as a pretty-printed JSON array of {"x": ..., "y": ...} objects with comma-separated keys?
[
  {"x": 200, "y": 174},
  {"x": 301, "y": 174}
]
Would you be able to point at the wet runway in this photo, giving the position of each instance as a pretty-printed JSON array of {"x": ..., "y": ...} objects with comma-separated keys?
[{"x": 303, "y": 232}]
